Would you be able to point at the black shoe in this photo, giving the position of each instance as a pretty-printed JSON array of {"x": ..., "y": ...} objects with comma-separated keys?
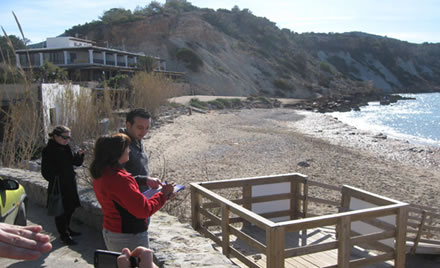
[
  {"x": 67, "y": 240},
  {"x": 73, "y": 233}
]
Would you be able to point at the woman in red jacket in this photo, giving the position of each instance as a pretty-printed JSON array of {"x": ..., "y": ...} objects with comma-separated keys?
[{"x": 124, "y": 207}]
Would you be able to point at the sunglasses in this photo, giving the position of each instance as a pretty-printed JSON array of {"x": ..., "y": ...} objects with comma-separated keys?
[{"x": 65, "y": 137}]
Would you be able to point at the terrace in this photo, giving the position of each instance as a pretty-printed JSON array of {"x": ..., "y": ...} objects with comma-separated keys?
[{"x": 291, "y": 221}]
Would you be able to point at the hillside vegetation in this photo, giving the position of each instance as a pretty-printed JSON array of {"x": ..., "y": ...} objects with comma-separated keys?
[{"x": 232, "y": 52}]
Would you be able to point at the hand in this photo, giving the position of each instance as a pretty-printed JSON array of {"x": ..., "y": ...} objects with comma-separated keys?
[
  {"x": 23, "y": 242},
  {"x": 167, "y": 189},
  {"x": 153, "y": 182},
  {"x": 145, "y": 256},
  {"x": 172, "y": 196}
]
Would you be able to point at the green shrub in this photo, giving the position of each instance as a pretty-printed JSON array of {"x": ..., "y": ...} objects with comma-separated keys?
[
  {"x": 198, "y": 104},
  {"x": 49, "y": 72},
  {"x": 325, "y": 67},
  {"x": 230, "y": 103},
  {"x": 190, "y": 58},
  {"x": 216, "y": 104},
  {"x": 118, "y": 81}
]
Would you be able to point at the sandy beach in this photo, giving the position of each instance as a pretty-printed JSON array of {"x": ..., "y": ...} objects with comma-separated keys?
[{"x": 257, "y": 142}]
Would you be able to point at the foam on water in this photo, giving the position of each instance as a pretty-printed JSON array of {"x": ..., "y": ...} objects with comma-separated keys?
[{"x": 417, "y": 121}]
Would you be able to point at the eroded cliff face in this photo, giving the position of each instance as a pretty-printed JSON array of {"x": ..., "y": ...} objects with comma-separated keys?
[{"x": 241, "y": 55}]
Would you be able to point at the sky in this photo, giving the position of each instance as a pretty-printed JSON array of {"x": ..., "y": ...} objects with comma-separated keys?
[{"x": 407, "y": 20}]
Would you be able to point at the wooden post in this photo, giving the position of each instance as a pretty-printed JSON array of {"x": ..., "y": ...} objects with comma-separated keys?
[
  {"x": 294, "y": 200},
  {"x": 305, "y": 198},
  {"x": 305, "y": 205},
  {"x": 247, "y": 199},
  {"x": 225, "y": 230},
  {"x": 275, "y": 238},
  {"x": 344, "y": 231},
  {"x": 345, "y": 205},
  {"x": 196, "y": 202},
  {"x": 400, "y": 247},
  {"x": 419, "y": 233},
  {"x": 345, "y": 201}
]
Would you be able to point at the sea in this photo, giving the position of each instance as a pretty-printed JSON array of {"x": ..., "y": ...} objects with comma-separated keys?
[{"x": 416, "y": 121}]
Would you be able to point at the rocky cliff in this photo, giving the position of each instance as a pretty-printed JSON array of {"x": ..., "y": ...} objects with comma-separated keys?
[{"x": 233, "y": 52}]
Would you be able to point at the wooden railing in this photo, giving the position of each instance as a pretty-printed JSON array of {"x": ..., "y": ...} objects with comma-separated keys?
[
  {"x": 423, "y": 228},
  {"x": 221, "y": 219}
]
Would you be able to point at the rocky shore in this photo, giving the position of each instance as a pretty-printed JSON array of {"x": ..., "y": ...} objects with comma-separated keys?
[{"x": 226, "y": 144}]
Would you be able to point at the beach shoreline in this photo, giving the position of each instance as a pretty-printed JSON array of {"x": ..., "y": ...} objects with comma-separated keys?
[{"x": 226, "y": 144}]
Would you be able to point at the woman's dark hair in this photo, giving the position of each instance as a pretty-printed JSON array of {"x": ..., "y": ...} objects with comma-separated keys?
[
  {"x": 108, "y": 150},
  {"x": 59, "y": 130}
]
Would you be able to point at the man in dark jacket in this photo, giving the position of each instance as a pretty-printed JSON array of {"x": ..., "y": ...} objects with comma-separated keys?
[{"x": 138, "y": 122}]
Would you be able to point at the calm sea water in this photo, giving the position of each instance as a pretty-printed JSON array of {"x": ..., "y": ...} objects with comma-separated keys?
[{"x": 417, "y": 121}]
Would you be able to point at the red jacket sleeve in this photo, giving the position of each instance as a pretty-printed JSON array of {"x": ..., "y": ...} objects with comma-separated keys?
[{"x": 127, "y": 194}]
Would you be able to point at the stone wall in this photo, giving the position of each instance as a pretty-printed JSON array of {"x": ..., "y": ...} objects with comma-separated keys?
[{"x": 173, "y": 242}]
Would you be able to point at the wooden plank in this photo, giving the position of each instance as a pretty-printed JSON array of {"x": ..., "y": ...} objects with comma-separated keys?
[
  {"x": 310, "y": 249},
  {"x": 317, "y": 259},
  {"x": 370, "y": 242},
  {"x": 210, "y": 235},
  {"x": 431, "y": 228},
  {"x": 368, "y": 197},
  {"x": 419, "y": 234},
  {"x": 294, "y": 263},
  {"x": 275, "y": 239},
  {"x": 244, "y": 259},
  {"x": 247, "y": 197},
  {"x": 225, "y": 230},
  {"x": 430, "y": 241},
  {"x": 326, "y": 220},
  {"x": 400, "y": 243},
  {"x": 294, "y": 192},
  {"x": 248, "y": 240},
  {"x": 373, "y": 260},
  {"x": 234, "y": 208},
  {"x": 343, "y": 228},
  {"x": 211, "y": 216},
  {"x": 372, "y": 237},
  {"x": 345, "y": 201},
  {"x": 306, "y": 198},
  {"x": 249, "y": 201},
  {"x": 379, "y": 223},
  {"x": 275, "y": 214},
  {"x": 309, "y": 261},
  {"x": 231, "y": 183}
]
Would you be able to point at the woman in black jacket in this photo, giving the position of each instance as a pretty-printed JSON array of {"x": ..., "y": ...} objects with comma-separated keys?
[{"x": 57, "y": 161}]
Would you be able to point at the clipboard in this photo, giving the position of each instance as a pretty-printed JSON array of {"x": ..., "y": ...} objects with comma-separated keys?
[{"x": 150, "y": 192}]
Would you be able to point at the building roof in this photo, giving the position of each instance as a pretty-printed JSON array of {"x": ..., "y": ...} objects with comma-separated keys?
[{"x": 80, "y": 48}]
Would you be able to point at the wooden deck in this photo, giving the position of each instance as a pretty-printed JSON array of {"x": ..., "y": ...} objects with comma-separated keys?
[
  {"x": 263, "y": 225},
  {"x": 311, "y": 237}
]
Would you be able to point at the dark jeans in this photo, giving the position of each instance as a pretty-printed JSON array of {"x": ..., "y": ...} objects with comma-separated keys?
[{"x": 62, "y": 222}]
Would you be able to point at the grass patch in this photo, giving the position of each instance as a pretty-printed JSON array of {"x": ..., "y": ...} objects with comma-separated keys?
[{"x": 195, "y": 102}]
